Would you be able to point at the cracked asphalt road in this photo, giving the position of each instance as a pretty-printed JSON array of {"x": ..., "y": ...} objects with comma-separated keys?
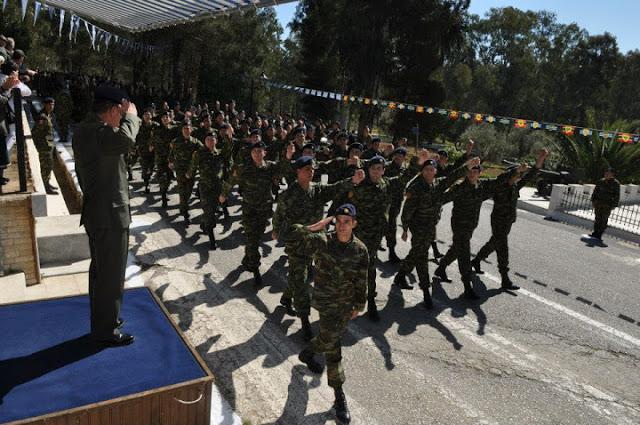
[{"x": 563, "y": 350}]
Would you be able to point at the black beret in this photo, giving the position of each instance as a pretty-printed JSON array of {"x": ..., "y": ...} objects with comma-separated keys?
[
  {"x": 300, "y": 130},
  {"x": 255, "y": 132},
  {"x": 211, "y": 133},
  {"x": 303, "y": 161},
  {"x": 244, "y": 121},
  {"x": 164, "y": 114},
  {"x": 149, "y": 110},
  {"x": 478, "y": 167},
  {"x": 232, "y": 101},
  {"x": 401, "y": 150},
  {"x": 377, "y": 160},
  {"x": 186, "y": 123},
  {"x": 109, "y": 94},
  {"x": 224, "y": 126},
  {"x": 346, "y": 209},
  {"x": 258, "y": 145},
  {"x": 355, "y": 146},
  {"x": 205, "y": 117},
  {"x": 375, "y": 139},
  {"x": 610, "y": 170},
  {"x": 342, "y": 136},
  {"x": 443, "y": 153},
  {"x": 309, "y": 146},
  {"x": 48, "y": 100},
  {"x": 431, "y": 162}
]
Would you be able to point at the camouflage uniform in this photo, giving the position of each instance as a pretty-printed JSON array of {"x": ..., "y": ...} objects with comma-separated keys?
[
  {"x": 420, "y": 215},
  {"x": 212, "y": 166},
  {"x": 467, "y": 201},
  {"x": 393, "y": 170},
  {"x": 339, "y": 289},
  {"x": 606, "y": 196},
  {"x": 64, "y": 107},
  {"x": 161, "y": 142},
  {"x": 257, "y": 199},
  {"x": 505, "y": 205},
  {"x": 180, "y": 155},
  {"x": 42, "y": 134},
  {"x": 299, "y": 206},
  {"x": 143, "y": 140}
]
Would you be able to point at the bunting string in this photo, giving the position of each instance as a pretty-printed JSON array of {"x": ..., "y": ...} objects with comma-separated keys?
[{"x": 566, "y": 129}]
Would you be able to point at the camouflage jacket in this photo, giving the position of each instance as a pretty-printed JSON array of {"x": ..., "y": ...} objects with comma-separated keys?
[
  {"x": 337, "y": 169},
  {"x": 211, "y": 165},
  {"x": 181, "y": 153},
  {"x": 393, "y": 170},
  {"x": 606, "y": 193},
  {"x": 299, "y": 206},
  {"x": 449, "y": 168},
  {"x": 467, "y": 200},
  {"x": 143, "y": 139},
  {"x": 255, "y": 182},
  {"x": 341, "y": 269},
  {"x": 161, "y": 141},
  {"x": 42, "y": 132},
  {"x": 423, "y": 204},
  {"x": 505, "y": 198}
]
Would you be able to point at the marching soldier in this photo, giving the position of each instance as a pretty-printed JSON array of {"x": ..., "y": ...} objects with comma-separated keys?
[
  {"x": 393, "y": 169},
  {"x": 161, "y": 145},
  {"x": 211, "y": 165},
  {"x": 180, "y": 156},
  {"x": 605, "y": 198},
  {"x": 505, "y": 205},
  {"x": 64, "y": 107},
  {"x": 145, "y": 153},
  {"x": 340, "y": 292},
  {"x": 303, "y": 203},
  {"x": 42, "y": 133}
]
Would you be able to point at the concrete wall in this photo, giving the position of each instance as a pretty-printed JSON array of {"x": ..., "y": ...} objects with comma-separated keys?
[{"x": 18, "y": 237}]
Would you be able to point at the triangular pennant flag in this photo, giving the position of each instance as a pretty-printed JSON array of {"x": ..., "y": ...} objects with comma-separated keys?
[
  {"x": 36, "y": 12},
  {"x": 453, "y": 114},
  {"x": 466, "y": 115},
  {"x": 478, "y": 118},
  {"x": 24, "y": 8},
  {"x": 568, "y": 130},
  {"x": 520, "y": 123},
  {"x": 491, "y": 119},
  {"x": 52, "y": 12},
  {"x": 61, "y": 22},
  {"x": 536, "y": 125},
  {"x": 586, "y": 132},
  {"x": 4, "y": 4},
  {"x": 624, "y": 137}
]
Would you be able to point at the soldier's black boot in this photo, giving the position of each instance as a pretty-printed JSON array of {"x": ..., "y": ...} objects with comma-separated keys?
[
  {"x": 257, "y": 279},
  {"x": 372, "y": 310},
  {"x": 306, "y": 357},
  {"x": 340, "y": 405},
  {"x": 307, "y": 333},
  {"x": 49, "y": 189},
  {"x": 212, "y": 240},
  {"x": 468, "y": 291},
  {"x": 146, "y": 186},
  {"x": 130, "y": 176},
  {"x": 442, "y": 274},
  {"x": 392, "y": 254},
  {"x": 436, "y": 253},
  {"x": 475, "y": 263},
  {"x": 288, "y": 305},
  {"x": 164, "y": 200},
  {"x": 428, "y": 303},
  {"x": 401, "y": 281},
  {"x": 225, "y": 209},
  {"x": 187, "y": 220},
  {"x": 507, "y": 284}
]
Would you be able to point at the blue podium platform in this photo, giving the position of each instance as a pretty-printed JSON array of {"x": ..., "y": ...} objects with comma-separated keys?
[{"x": 52, "y": 372}]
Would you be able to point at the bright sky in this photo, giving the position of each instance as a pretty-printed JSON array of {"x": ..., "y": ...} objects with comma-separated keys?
[{"x": 618, "y": 17}]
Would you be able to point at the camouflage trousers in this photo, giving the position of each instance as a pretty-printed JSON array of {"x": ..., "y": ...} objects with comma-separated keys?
[
  {"x": 499, "y": 243},
  {"x": 333, "y": 325},
  {"x": 254, "y": 223},
  {"x": 418, "y": 258},
  {"x": 46, "y": 162},
  {"x": 146, "y": 165},
  {"x": 460, "y": 250},
  {"x": 371, "y": 238},
  {"x": 185, "y": 189},
  {"x": 297, "y": 287},
  {"x": 392, "y": 224},
  {"x": 132, "y": 158},
  {"x": 164, "y": 175},
  {"x": 209, "y": 202},
  {"x": 602, "y": 219}
]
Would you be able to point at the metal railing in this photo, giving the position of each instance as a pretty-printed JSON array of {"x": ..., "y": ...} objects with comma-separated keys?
[{"x": 578, "y": 203}]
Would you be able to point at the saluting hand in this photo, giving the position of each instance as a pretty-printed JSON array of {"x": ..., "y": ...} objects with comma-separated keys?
[
  {"x": 473, "y": 162},
  {"x": 470, "y": 146},
  {"x": 388, "y": 149},
  {"x": 405, "y": 236},
  {"x": 358, "y": 176},
  {"x": 541, "y": 157},
  {"x": 221, "y": 199},
  {"x": 354, "y": 314},
  {"x": 320, "y": 225}
]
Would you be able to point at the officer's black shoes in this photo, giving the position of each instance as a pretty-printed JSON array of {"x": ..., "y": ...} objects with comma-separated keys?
[
  {"x": 468, "y": 291},
  {"x": 507, "y": 284},
  {"x": 187, "y": 220},
  {"x": 306, "y": 357},
  {"x": 307, "y": 333},
  {"x": 475, "y": 263},
  {"x": 49, "y": 189},
  {"x": 257, "y": 279},
  {"x": 146, "y": 187},
  {"x": 130, "y": 176},
  {"x": 120, "y": 323},
  {"x": 372, "y": 310},
  {"x": 164, "y": 200},
  {"x": 288, "y": 305},
  {"x": 436, "y": 251},
  {"x": 381, "y": 248},
  {"x": 54, "y": 187},
  {"x": 212, "y": 242},
  {"x": 428, "y": 303},
  {"x": 401, "y": 281},
  {"x": 116, "y": 340},
  {"x": 340, "y": 405},
  {"x": 597, "y": 236},
  {"x": 393, "y": 258},
  {"x": 442, "y": 274}
]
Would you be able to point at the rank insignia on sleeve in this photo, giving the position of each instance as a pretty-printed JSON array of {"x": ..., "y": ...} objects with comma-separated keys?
[{"x": 350, "y": 195}]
